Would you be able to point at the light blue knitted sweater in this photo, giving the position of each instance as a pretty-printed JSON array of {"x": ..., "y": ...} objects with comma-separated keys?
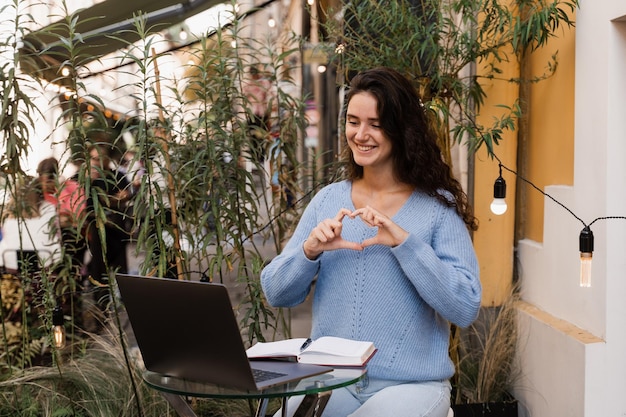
[{"x": 400, "y": 298}]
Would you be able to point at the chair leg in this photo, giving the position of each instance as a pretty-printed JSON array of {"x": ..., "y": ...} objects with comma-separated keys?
[{"x": 313, "y": 405}]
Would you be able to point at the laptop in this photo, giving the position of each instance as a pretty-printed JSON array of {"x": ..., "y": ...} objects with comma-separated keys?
[{"x": 188, "y": 330}]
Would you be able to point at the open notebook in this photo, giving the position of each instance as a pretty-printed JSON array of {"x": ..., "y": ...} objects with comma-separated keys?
[{"x": 188, "y": 329}]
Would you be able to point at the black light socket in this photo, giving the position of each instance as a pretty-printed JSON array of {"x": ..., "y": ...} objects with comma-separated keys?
[
  {"x": 57, "y": 316},
  {"x": 499, "y": 188},
  {"x": 585, "y": 240}
]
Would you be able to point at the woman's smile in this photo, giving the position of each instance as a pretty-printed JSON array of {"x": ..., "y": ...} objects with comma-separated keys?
[{"x": 364, "y": 148}]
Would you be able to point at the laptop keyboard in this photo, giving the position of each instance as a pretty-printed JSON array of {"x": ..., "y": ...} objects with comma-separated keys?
[{"x": 261, "y": 375}]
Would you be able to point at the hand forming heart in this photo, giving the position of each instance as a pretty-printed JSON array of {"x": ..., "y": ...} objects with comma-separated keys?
[{"x": 327, "y": 235}]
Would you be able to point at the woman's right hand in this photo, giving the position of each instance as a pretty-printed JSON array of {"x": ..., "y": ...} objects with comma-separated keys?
[{"x": 327, "y": 236}]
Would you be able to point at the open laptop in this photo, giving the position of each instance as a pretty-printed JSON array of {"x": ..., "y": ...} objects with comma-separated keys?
[{"x": 188, "y": 330}]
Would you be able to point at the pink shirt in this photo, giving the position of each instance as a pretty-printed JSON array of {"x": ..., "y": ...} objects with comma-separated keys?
[{"x": 256, "y": 92}]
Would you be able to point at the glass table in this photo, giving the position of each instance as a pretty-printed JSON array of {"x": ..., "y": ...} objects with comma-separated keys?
[{"x": 316, "y": 390}]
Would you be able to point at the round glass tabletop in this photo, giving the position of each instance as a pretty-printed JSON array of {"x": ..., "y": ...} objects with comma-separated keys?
[{"x": 339, "y": 377}]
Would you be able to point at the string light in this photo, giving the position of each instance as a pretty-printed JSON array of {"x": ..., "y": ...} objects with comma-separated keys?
[
  {"x": 586, "y": 235},
  {"x": 586, "y": 253},
  {"x": 498, "y": 205},
  {"x": 58, "y": 327}
]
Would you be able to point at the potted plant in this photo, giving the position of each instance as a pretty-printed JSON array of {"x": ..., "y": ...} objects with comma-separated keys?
[{"x": 485, "y": 359}]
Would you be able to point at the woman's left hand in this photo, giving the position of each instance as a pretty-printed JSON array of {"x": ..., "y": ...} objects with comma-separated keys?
[{"x": 389, "y": 233}]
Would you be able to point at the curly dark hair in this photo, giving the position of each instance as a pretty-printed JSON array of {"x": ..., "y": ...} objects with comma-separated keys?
[{"x": 417, "y": 158}]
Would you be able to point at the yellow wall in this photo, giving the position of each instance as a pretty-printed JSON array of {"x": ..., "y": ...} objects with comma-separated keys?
[
  {"x": 548, "y": 160},
  {"x": 493, "y": 240},
  {"x": 550, "y": 153}
]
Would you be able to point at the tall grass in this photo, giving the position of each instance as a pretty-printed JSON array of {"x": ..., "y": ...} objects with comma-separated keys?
[
  {"x": 96, "y": 382},
  {"x": 485, "y": 354}
]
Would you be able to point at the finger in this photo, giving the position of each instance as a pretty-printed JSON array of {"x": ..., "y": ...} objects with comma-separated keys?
[
  {"x": 329, "y": 229},
  {"x": 322, "y": 234},
  {"x": 368, "y": 218},
  {"x": 370, "y": 242},
  {"x": 344, "y": 244},
  {"x": 342, "y": 213},
  {"x": 356, "y": 213},
  {"x": 367, "y": 214},
  {"x": 379, "y": 220}
]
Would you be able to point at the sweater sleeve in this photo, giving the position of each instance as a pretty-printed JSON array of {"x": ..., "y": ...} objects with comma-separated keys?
[
  {"x": 287, "y": 279},
  {"x": 444, "y": 272}
]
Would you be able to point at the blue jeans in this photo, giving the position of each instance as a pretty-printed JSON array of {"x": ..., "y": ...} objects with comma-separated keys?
[{"x": 373, "y": 398}]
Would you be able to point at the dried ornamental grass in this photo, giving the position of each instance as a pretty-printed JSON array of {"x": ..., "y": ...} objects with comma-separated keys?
[{"x": 486, "y": 362}]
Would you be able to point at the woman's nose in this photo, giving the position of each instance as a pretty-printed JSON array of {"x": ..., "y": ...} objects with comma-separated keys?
[{"x": 361, "y": 132}]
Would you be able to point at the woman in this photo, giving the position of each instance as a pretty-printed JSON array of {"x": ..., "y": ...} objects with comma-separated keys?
[
  {"x": 68, "y": 199},
  {"x": 391, "y": 252}
]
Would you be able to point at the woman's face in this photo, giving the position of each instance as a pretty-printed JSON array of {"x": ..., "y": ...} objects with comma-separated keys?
[
  {"x": 369, "y": 144},
  {"x": 48, "y": 184},
  {"x": 98, "y": 162}
]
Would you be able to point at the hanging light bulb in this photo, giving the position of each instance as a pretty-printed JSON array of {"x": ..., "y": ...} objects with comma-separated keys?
[
  {"x": 498, "y": 205},
  {"x": 585, "y": 241},
  {"x": 271, "y": 22},
  {"x": 58, "y": 327}
]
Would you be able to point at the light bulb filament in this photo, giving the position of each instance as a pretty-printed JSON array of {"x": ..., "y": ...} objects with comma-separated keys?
[
  {"x": 58, "y": 327},
  {"x": 58, "y": 334},
  {"x": 585, "y": 269}
]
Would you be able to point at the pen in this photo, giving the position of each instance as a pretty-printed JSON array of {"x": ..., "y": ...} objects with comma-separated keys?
[{"x": 305, "y": 344}]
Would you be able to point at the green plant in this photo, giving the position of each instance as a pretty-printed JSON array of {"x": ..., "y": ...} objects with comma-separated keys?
[
  {"x": 199, "y": 147},
  {"x": 198, "y": 142},
  {"x": 437, "y": 43},
  {"x": 194, "y": 141},
  {"x": 95, "y": 382}
]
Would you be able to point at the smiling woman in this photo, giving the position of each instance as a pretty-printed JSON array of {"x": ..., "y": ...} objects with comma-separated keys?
[{"x": 390, "y": 243}]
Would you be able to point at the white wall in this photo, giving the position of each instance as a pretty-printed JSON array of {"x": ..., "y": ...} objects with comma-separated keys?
[
  {"x": 616, "y": 205},
  {"x": 573, "y": 352}
]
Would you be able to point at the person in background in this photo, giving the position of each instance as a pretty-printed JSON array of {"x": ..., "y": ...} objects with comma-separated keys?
[
  {"x": 47, "y": 171},
  {"x": 110, "y": 192},
  {"x": 256, "y": 91},
  {"x": 133, "y": 168},
  {"x": 391, "y": 253},
  {"x": 68, "y": 198}
]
